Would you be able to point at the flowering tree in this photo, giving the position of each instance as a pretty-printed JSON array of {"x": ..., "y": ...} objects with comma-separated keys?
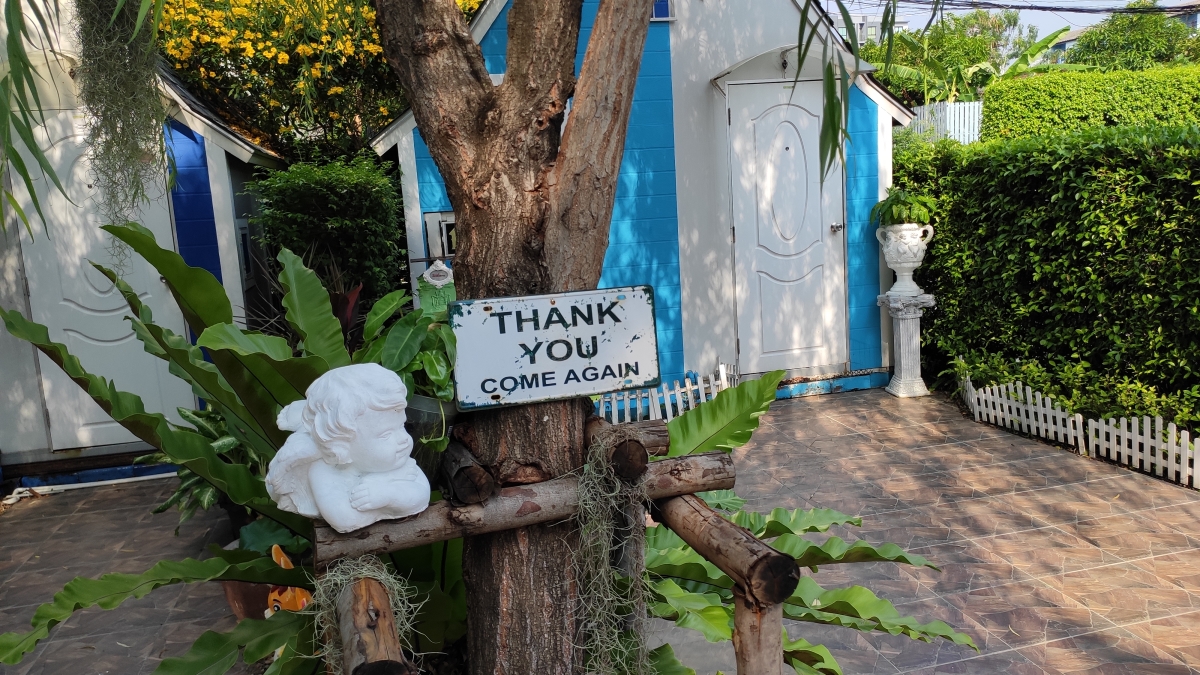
[{"x": 275, "y": 70}]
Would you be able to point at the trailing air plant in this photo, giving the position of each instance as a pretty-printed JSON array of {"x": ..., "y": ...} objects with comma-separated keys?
[{"x": 123, "y": 105}]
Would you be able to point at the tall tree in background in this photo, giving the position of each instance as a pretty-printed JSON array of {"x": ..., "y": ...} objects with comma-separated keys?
[
  {"x": 1134, "y": 41},
  {"x": 959, "y": 44}
]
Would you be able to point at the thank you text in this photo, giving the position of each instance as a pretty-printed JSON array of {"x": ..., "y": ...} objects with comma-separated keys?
[{"x": 546, "y": 347}]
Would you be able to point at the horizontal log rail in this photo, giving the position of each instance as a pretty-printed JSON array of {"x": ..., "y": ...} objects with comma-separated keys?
[{"x": 514, "y": 507}]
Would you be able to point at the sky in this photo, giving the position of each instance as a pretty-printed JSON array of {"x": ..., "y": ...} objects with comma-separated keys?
[{"x": 1046, "y": 22}]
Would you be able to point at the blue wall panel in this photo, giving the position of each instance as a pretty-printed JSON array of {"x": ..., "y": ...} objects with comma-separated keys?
[
  {"x": 862, "y": 249},
  {"x": 191, "y": 200},
  {"x": 644, "y": 236}
]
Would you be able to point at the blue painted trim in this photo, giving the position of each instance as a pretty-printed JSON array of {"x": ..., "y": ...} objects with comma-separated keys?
[
  {"x": 96, "y": 475},
  {"x": 862, "y": 249},
  {"x": 191, "y": 200},
  {"x": 840, "y": 384}
]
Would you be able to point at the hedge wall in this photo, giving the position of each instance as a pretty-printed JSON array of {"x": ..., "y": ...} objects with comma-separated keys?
[
  {"x": 1072, "y": 101},
  {"x": 1079, "y": 251}
]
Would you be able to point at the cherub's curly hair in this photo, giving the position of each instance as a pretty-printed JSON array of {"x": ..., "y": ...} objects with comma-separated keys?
[{"x": 335, "y": 400}]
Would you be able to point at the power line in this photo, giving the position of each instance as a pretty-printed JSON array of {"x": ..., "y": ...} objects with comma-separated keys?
[{"x": 1080, "y": 9}]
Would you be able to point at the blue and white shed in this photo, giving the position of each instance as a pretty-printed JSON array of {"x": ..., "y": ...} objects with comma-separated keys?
[{"x": 720, "y": 206}]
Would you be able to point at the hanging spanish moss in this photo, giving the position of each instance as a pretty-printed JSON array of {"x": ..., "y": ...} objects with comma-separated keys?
[
  {"x": 610, "y": 565},
  {"x": 118, "y": 87}
]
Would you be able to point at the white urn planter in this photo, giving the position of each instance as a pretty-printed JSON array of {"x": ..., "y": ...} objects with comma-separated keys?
[{"x": 903, "y": 250}]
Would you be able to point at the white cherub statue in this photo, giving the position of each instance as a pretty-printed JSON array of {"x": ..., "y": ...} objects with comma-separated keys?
[{"x": 349, "y": 459}]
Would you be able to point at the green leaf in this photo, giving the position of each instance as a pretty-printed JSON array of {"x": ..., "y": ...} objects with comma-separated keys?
[
  {"x": 664, "y": 662},
  {"x": 215, "y": 653},
  {"x": 403, "y": 340},
  {"x": 270, "y": 351},
  {"x": 703, "y": 612},
  {"x": 449, "y": 342},
  {"x": 297, "y": 657},
  {"x": 182, "y": 445},
  {"x": 381, "y": 311},
  {"x": 203, "y": 302},
  {"x": 836, "y": 551},
  {"x": 436, "y": 367},
  {"x": 810, "y": 602},
  {"x": 722, "y": 500},
  {"x": 685, "y": 563},
  {"x": 809, "y": 659},
  {"x": 187, "y": 362},
  {"x": 781, "y": 521},
  {"x": 309, "y": 311},
  {"x": 725, "y": 422},
  {"x": 263, "y": 533},
  {"x": 110, "y": 590}
]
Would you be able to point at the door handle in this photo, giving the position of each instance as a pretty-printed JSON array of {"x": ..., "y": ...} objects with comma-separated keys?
[{"x": 837, "y": 227}]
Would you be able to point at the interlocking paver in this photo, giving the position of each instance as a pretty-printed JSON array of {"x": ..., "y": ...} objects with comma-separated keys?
[{"x": 1056, "y": 564}]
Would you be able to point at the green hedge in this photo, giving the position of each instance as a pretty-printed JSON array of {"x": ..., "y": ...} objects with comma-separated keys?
[
  {"x": 1079, "y": 251},
  {"x": 1055, "y": 103}
]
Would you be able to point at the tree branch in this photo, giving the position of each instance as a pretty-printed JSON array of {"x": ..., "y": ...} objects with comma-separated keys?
[
  {"x": 441, "y": 67},
  {"x": 583, "y": 183}
]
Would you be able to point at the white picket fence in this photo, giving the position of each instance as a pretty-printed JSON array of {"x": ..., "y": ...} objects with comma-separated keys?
[
  {"x": 665, "y": 401},
  {"x": 1142, "y": 445},
  {"x": 960, "y": 121}
]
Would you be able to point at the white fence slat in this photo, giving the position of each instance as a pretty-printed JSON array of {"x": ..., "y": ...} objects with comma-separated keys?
[
  {"x": 1147, "y": 445},
  {"x": 1188, "y": 461}
]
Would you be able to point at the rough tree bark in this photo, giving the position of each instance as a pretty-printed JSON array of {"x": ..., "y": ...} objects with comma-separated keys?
[{"x": 533, "y": 211}]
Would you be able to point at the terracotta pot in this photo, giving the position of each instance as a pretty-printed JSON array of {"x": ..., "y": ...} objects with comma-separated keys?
[{"x": 246, "y": 600}]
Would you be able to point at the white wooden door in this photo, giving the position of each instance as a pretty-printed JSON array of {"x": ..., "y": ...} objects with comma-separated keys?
[
  {"x": 789, "y": 247},
  {"x": 81, "y": 308}
]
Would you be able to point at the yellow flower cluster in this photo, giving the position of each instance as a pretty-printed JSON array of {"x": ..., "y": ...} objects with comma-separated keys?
[{"x": 280, "y": 68}]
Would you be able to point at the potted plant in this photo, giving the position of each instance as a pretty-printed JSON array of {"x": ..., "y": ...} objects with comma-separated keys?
[{"x": 904, "y": 232}]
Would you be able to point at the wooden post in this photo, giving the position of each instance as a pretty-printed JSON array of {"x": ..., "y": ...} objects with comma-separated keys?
[
  {"x": 370, "y": 643},
  {"x": 757, "y": 636},
  {"x": 630, "y": 457},
  {"x": 514, "y": 507},
  {"x": 465, "y": 481},
  {"x": 764, "y": 578}
]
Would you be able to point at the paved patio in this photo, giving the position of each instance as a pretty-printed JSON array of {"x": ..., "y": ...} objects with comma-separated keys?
[{"x": 1053, "y": 562}]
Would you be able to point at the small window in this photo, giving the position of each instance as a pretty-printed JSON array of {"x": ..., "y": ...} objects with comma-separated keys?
[
  {"x": 664, "y": 10},
  {"x": 440, "y": 239},
  {"x": 870, "y": 32}
]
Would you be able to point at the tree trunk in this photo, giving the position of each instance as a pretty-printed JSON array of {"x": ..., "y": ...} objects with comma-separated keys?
[{"x": 532, "y": 217}]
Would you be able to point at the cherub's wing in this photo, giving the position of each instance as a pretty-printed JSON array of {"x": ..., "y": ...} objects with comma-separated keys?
[
  {"x": 290, "y": 417},
  {"x": 287, "y": 476}
]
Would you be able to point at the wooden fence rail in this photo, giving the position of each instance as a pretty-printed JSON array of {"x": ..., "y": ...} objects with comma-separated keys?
[{"x": 1146, "y": 445}]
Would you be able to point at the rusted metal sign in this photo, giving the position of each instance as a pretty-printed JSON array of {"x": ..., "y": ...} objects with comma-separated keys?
[{"x": 547, "y": 347}]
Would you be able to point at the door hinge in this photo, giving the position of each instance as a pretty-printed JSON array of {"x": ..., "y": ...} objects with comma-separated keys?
[
  {"x": 738, "y": 348},
  {"x": 733, "y": 234},
  {"x": 729, "y": 115}
]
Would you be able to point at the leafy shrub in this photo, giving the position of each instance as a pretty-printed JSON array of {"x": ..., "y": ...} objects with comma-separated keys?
[
  {"x": 1080, "y": 252},
  {"x": 1080, "y": 389},
  {"x": 1055, "y": 103},
  {"x": 343, "y": 218}
]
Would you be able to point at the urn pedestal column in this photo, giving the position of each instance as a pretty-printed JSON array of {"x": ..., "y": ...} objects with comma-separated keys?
[{"x": 906, "y": 311}]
